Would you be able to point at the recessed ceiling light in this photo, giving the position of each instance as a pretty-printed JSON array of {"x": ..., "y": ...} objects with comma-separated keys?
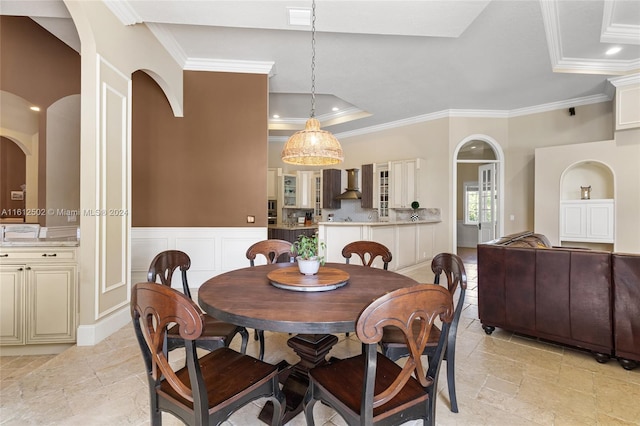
[
  {"x": 334, "y": 109},
  {"x": 276, "y": 116},
  {"x": 34, "y": 108},
  {"x": 614, "y": 50},
  {"x": 473, "y": 147}
]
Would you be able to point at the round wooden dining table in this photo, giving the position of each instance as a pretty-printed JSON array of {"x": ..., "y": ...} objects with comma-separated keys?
[{"x": 250, "y": 298}]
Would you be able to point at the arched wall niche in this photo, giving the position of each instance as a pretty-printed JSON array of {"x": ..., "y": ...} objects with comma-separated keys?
[{"x": 596, "y": 174}]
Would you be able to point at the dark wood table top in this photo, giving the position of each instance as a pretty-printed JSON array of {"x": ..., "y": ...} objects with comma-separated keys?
[{"x": 246, "y": 297}]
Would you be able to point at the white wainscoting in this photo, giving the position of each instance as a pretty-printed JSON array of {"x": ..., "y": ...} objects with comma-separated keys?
[
  {"x": 467, "y": 235},
  {"x": 212, "y": 250}
]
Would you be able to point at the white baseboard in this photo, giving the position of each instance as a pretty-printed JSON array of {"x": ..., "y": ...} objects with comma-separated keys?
[{"x": 89, "y": 335}]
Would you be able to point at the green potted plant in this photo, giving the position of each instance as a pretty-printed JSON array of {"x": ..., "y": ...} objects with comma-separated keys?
[
  {"x": 306, "y": 248},
  {"x": 415, "y": 216}
]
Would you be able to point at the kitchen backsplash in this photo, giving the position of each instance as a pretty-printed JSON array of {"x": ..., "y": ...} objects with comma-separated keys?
[{"x": 351, "y": 210}]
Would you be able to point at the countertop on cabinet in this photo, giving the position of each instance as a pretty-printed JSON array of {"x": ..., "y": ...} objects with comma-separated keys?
[
  {"x": 40, "y": 242},
  {"x": 390, "y": 223},
  {"x": 292, "y": 228}
]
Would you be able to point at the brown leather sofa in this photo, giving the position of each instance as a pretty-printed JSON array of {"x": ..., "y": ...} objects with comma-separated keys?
[{"x": 588, "y": 299}]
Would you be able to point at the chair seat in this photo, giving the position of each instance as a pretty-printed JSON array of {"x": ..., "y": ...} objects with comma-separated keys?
[
  {"x": 214, "y": 330},
  {"x": 344, "y": 379},
  {"x": 227, "y": 372},
  {"x": 393, "y": 337}
]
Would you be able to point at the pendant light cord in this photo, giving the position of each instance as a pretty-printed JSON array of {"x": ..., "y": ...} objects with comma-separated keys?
[{"x": 313, "y": 59}]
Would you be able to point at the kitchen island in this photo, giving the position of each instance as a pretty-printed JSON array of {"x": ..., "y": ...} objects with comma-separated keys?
[
  {"x": 290, "y": 232},
  {"x": 411, "y": 243}
]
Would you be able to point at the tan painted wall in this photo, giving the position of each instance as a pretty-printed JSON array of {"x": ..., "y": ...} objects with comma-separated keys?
[
  {"x": 591, "y": 123},
  {"x": 622, "y": 157},
  {"x": 436, "y": 142},
  {"x": 40, "y": 68},
  {"x": 12, "y": 175},
  {"x": 207, "y": 168}
]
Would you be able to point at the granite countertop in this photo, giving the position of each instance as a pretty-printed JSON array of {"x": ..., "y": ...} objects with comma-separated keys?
[
  {"x": 40, "y": 242},
  {"x": 292, "y": 227},
  {"x": 390, "y": 223}
]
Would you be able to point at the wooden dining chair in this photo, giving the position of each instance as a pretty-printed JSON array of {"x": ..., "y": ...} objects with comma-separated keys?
[
  {"x": 367, "y": 251},
  {"x": 274, "y": 251},
  {"x": 205, "y": 391},
  {"x": 216, "y": 333},
  {"x": 393, "y": 343},
  {"x": 369, "y": 388}
]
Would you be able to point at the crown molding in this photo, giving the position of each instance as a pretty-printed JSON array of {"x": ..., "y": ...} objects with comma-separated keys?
[
  {"x": 227, "y": 65},
  {"x": 123, "y": 11},
  {"x": 617, "y": 33},
  {"x": 553, "y": 106},
  {"x": 625, "y": 80},
  {"x": 469, "y": 113},
  {"x": 168, "y": 41},
  {"x": 560, "y": 63}
]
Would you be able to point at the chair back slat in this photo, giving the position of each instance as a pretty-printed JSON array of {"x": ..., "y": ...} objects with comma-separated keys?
[
  {"x": 367, "y": 251},
  {"x": 401, "y": 308},
  {"x": 153, "y": 309},
  {"x": 270, "y": 249},
  {"x": 165, "y": 264}
]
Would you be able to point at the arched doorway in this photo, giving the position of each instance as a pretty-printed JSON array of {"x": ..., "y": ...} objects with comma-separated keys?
[{"x": 478, "y": 179}]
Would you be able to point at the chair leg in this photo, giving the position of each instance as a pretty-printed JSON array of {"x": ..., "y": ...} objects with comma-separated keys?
[
  {"x": 255, "y": 335},
  {"x": 451, "y": 380},
  {"x": 279, "y": 402},
  {"x": 308, "y": 404},
  {"x": 245, "y": 339},
  {"x": 261, "y": 338},
  {"x": 156, "y": 415}
]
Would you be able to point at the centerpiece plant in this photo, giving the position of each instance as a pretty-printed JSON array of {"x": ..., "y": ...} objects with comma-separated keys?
[{"x": 306, "y": 249}]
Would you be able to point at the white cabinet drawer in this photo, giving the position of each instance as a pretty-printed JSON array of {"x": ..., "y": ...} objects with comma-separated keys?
[{"x": 40, "y": 254}]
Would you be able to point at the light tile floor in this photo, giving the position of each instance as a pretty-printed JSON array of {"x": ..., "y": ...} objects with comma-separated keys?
[{"x": 502, "y": 379}]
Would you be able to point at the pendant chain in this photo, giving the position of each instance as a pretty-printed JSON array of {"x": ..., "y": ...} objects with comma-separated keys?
[{"x": 313, "y": 59}]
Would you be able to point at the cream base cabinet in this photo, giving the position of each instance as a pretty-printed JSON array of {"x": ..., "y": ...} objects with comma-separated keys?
[
  {"x": 38, "y": 298},
  {"x": 12, "y": 305},
  {"x": 587, "y": 221},
  {"x": 403, "y": 183}
]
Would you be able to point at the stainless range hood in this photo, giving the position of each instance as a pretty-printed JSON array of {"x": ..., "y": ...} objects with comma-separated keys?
[{"x": 352, "y": 192}]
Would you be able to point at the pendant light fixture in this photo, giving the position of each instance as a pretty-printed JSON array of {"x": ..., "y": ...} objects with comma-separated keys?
[{"x": 312, "y": 146}]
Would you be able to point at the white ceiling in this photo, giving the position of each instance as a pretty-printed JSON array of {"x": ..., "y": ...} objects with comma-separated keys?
[{"x": 389, "y": 62}]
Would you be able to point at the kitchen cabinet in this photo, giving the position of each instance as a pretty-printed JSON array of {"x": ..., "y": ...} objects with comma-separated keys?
[
  {"x": 331, "y": 186},
  {"x": 272, "y": 183},
  {"x": 290, "y": 233},
  {"x": 289, "y": 190},
  {"x": 411, "y": 243},
  {"x": 375, "y": 188},
  {"x": 37, "y": 296},
  {"x": 306, "y": 190},
  {"x": 369, "y": 193},
  {"x": 587, "y": 221},
  {"x": 403, "y": 183}
]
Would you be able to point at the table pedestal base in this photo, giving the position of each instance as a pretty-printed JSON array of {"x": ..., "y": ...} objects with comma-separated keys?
[{"x": 312, "y": 350}]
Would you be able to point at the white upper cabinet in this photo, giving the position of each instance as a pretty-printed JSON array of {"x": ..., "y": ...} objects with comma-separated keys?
[
  {"x": 289, "y": 190},
  {"x": 403, "y": 183},
  {"x": 306, "y": 190},
  {"x": 272, "y": 183}
]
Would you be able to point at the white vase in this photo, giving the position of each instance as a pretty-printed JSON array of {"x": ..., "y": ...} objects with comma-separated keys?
[{"x": 308, "y": 266}]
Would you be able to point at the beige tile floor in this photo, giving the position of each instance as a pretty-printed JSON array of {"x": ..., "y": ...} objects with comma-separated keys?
[{"x": 502, "y": 379}]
